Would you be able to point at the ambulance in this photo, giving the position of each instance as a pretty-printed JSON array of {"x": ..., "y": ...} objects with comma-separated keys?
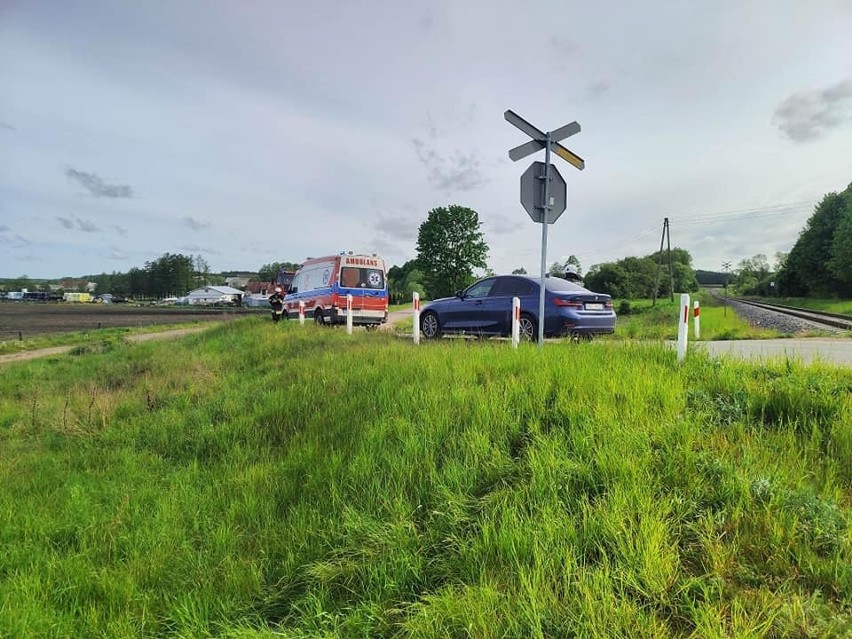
[{"x": 323, "y": 283}]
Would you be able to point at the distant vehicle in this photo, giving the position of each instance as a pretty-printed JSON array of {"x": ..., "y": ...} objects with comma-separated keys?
[
  {"x": 323, "y": 283},
  {"x": 284, "y": 279},
  {"x": 485, "y": 308},
  {"x": 40, "y": 296}
]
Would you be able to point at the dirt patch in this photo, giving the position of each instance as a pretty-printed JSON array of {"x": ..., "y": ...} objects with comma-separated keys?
[{"x": 28, "y": 320}]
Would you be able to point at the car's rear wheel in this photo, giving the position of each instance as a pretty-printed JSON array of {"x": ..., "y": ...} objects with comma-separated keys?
[
  {"x": 430, "y": 326},
  {"x": 318, "y": 320},
  {"x": 529, "y": 328}
]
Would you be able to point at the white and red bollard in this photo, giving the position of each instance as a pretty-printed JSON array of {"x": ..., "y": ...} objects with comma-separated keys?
[
  {"x": 696, "y": 315},
  {"x": 416, "y": 302},
  {"x": 349, "y": 314},
  {"x": 516, "y": 321},
  {"x": 302, "y": 312},
  {"x": 683, "y": 327}
]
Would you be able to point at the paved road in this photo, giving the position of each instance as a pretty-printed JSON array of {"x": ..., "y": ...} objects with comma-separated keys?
[{"x": 810, "y": 349}]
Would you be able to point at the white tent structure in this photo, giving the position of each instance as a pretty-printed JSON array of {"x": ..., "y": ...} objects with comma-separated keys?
[{"x": 213, "y": 295}]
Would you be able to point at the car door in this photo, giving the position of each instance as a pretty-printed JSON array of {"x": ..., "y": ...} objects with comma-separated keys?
[
  {"x": 467, "y": 311},
  {"x": 498, "y": 309}
]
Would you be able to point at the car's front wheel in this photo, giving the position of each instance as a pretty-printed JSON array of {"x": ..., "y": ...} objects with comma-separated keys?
[
  {"x": 318, "y": 319},
  {"x": 430, "y": 326},
  {"x": 529, "y": 328}
]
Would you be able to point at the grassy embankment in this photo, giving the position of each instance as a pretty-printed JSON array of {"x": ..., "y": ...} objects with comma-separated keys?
[
  {"x": 284, "y": 481},
  {"x": 82, "y": 338},
  {"x": 645, "y": 321},
  {"x": 843, "y": 307}
]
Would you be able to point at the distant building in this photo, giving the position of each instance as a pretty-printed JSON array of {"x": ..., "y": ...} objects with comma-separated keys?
[
  {"x": 214, "y": 295},
  {"x": 70, "y": 284},
  {"x": 260, "y": 288}
]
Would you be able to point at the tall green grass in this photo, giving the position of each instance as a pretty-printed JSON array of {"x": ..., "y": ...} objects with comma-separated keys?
[{"x": 263, "y": 480}]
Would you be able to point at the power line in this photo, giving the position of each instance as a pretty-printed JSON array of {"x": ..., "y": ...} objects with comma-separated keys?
[
  {"x": 710, "y": 218},
  {"x": 779, "y": 209}
]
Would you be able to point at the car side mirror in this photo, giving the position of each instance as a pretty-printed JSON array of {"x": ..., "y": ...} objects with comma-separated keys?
[
  {"x": 292, "y": 289},
  {"x": 460, "y": 294}
]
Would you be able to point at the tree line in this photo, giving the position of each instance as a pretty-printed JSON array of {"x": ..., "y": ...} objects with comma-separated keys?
[
  {"x": 170, "y": 275},
  {"x": 818, "y": 265}
]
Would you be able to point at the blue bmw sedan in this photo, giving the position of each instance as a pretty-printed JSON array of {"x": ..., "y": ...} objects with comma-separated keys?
[{"x": 485, "y": 308}]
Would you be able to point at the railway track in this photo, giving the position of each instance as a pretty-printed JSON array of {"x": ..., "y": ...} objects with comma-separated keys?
[{"x": 824, "y": 318}]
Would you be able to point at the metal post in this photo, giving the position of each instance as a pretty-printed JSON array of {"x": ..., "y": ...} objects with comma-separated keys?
[
  {"x": 349, "y": 314},
  {"x": 544, "y": 240},
  {"x": 302, "y": 312},
  {"x": 683, "y": 327},
  {"x": 696, "y": 317},
  {"x": 516, "y": 321},
  {"x": 416, "y": 304},
  {"x": 671, "y": 270}
]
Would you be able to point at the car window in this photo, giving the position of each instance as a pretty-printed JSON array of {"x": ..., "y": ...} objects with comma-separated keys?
[
  {"x": 480, "y": 289},
  {"x": 563, "y": 286},
  {"x": 512, "y": 287}
]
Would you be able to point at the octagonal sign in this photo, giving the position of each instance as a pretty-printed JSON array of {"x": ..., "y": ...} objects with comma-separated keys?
[{"x": 532, "y": 193}]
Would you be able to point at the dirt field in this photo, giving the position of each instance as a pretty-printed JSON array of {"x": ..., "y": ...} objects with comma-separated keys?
[{"x": 38, "y": 319}]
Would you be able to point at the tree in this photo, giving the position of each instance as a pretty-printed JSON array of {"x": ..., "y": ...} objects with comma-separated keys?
[
  {"x": 519, "y": 271},
  {"x": 449, "y": 246},
  {"x": 816, "y": 261},
  {"x": 840, "y": 263},
  {"x": 635, "y": 277},
  {"x": 399, "y": 278},
  {"x": 609, "y": 278},
  {"x": 558, "y": 268},
  {"x": 268, "y": 272},
  {"x": 202, "y": 270}
]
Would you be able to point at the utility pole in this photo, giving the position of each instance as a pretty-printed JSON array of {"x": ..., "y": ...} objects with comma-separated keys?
[
  {"x": 666, "y": 234},
  {"x": 726, "y": 266},
  {"x": 671, "y": 270}
]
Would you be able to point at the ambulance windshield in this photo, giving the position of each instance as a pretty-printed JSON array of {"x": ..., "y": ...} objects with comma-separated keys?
[{"x": 354, "y": 277}]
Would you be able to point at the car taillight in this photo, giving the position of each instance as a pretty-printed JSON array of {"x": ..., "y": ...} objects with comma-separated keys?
[
  {"x": 558, "y": 301},
  {"x": 608, "y": 305},
  {"x": 334, "y": 300}
]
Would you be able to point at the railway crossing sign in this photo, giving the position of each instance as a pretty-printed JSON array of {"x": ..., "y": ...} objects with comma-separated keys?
[
  {"x": 544, "y": 201},
  {"x": 532, "y": 193},
  {"x": 539, "y": 139}
]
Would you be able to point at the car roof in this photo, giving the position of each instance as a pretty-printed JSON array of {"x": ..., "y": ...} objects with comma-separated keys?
[{"x": 556, "y": 284}]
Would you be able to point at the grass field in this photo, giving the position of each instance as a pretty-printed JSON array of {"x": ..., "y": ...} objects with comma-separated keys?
[{"x": 260, "y": 480}]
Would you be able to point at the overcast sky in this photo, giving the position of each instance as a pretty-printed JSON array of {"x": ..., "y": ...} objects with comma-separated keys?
[{"x": 250, "y": 132}]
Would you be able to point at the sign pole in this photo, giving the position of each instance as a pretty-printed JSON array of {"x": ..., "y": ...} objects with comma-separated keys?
[
  {"x": 541, "y": 211},
  {"x": 544, "y": 226}
]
